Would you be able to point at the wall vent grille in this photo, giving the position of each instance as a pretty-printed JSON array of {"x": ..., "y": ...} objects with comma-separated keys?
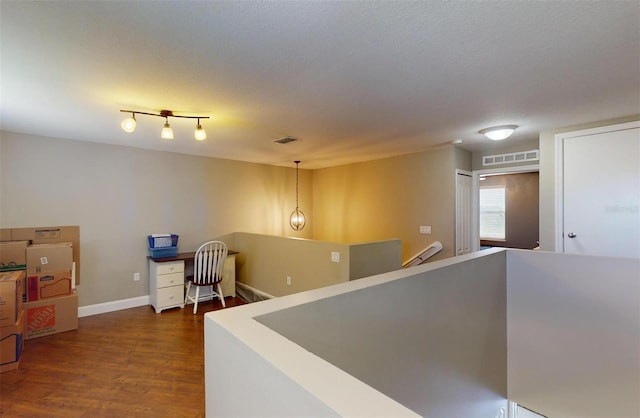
[{"x": 514, "y": 157}]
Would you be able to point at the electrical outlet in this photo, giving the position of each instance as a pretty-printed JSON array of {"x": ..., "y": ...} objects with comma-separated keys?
[
  {"x": 425, "y": 229},
  {"x": 289, "y": 280},
  {"x": 136, "y": 277}
]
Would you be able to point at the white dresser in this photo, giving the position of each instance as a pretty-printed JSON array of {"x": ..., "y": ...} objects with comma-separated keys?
[{"x": 166, "y": 284}]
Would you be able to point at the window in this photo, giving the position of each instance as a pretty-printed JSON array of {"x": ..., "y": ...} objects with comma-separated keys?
[{"x": 492, "y": 213}]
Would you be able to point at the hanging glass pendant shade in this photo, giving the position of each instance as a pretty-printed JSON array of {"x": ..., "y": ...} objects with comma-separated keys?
[{"x": 297, "y": 219}]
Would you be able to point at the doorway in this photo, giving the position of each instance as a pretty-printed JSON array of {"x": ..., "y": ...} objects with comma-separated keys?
[
  {"x": 463, "y": 212},
  {"x": 521, "y": 222},
  {"x": 508, "y": 210}
]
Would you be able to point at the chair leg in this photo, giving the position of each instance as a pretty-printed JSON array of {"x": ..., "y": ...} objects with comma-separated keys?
[
  {"x": 195, "y": 303},
  {"x": 186, "y": 295},
  {"x": 220, "y": 295}
]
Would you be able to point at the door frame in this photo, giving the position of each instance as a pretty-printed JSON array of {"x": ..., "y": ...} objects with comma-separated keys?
[
  {"x": 475, "y": 192},
  {"x": 559, "y": 171},
  {"x": 458, "y": 217}
]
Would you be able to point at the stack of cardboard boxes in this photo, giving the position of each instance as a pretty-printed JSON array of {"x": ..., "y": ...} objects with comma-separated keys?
[
  {"x": 41, "y": 263},
  {"x": 11, "y": 319}
]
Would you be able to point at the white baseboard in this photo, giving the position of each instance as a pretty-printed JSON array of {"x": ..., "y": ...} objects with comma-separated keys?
[
  {"x": 116, "y": 305},
  {"x": 254, "y": 290}
]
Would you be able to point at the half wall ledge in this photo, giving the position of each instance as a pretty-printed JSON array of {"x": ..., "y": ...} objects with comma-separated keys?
[{"x": 558, "y": 334}]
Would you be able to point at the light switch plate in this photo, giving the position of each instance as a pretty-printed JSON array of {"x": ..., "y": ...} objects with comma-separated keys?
[
  {"x": 335, "y": 256},
  {"x": 425, "y": 229}
]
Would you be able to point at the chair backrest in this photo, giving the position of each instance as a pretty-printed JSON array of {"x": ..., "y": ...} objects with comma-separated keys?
[{"x": 208, "y": 263}]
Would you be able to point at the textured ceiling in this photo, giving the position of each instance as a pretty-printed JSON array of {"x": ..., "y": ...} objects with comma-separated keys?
[{"x": 353, "y": 80}]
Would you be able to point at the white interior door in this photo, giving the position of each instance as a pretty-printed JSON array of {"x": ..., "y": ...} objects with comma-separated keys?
[
  {"x": 601, "y": 193},
  {"x": 463, "y": 212}
]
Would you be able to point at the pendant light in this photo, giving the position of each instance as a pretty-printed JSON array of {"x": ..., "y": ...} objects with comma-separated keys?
[{"x": 297, "y": 219}]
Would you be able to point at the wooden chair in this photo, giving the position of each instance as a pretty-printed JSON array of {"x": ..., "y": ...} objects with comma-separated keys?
[{"x": 208, "y": 269}]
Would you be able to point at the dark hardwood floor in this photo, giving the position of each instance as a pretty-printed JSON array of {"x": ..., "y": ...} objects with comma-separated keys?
[{"x": 129, "y": 363}]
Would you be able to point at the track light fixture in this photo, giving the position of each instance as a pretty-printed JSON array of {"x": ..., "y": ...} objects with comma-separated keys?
[{"x": 129, "y": 124}]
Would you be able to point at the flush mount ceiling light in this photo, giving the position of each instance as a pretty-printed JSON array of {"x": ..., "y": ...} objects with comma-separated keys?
[
  {"x": 129, "y": 124},
  {"x": 297, "y": 219},
  {"x": 498, "y": 133}
]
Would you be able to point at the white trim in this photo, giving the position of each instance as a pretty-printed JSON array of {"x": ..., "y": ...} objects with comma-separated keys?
[
  {"x": 113, "y": 306},
  {"x": 600, "y": 130},
  {"x": 254, "y": 290},
  {"x": 460, "y": 172},
  {"x": 512, "y": 157},
  {"x": 559, "y": 171},
  {"x": 475, "y": 192},
  {"x": 558, "y": 242}
]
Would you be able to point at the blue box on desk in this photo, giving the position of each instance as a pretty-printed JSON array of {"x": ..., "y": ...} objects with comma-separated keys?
[
  {"x": 163, "y": 252},
  {"x": 162, "y": 240}
]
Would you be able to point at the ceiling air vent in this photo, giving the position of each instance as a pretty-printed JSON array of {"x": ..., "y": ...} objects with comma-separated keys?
[
  {"x": 286, "y": 140},
  {"x": 514, "y": 157}
]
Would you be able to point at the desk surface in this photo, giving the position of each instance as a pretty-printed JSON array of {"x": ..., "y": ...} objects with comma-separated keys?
[{"x": 182, "y": 256}]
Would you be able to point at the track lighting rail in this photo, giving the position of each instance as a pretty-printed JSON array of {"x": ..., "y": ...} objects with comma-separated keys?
[{"x": 164, "y": 114}]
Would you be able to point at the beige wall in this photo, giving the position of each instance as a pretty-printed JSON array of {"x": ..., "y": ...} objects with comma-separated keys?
[
  {"x": 118, "y": 195},
  {"x": 548, "y": 177},
  {"x": 265, "y": 261},
  {"x": 390, "y": 198}
]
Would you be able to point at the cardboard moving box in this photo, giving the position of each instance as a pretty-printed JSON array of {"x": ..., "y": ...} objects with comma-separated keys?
[
  {"x": 11, "y": 344},
  {"x": 49, "y": 258},
  {"x": 13, "y": 254},
  {"x": 49, "y": 285},
  {"x": 51, "y": 316},
  {"x": 10, "y": 297},
  {"x": 47, "y": 235}
]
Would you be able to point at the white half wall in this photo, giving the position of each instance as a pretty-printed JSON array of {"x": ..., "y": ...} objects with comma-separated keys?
[
  {"x": 422, "y": 341},
  {"x": 574, "y": 334},
  {"x": 557, "y": 333}
]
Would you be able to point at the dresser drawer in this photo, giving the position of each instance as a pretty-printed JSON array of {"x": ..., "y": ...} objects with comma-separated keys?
[
  {"x": 169, "y": 267},
  {"x": 168, "y": 296},
  {"x": 167, "y": 280}
]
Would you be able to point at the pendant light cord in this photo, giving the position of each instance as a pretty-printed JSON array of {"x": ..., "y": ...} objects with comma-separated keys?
[{"x": 297, "y": 162}]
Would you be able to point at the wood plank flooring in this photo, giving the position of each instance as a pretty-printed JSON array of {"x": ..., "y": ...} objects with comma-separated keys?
[{"x": 129, "y": 363}]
